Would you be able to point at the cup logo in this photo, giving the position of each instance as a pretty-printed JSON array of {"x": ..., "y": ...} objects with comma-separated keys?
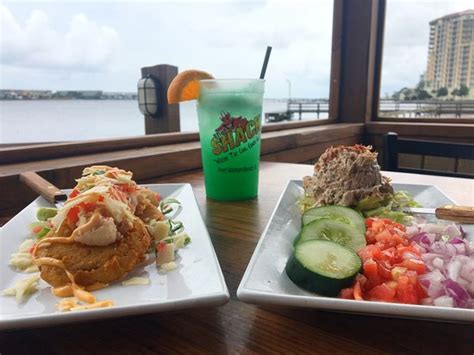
[{"x": 233, "y": 132}]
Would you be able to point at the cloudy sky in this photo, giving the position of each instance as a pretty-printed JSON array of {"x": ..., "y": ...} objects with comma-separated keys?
[{"x": 103, "y": 44}]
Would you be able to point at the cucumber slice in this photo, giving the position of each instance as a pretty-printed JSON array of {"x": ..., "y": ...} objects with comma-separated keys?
[
  {"x": 323, "y": 267},
  {"x": 334, "y": 230},
  {"x": 297, "y": 239},
  {"x": 340, "y": 213}
]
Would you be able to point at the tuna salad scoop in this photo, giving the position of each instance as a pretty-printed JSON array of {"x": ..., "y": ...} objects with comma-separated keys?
[{"x": 346, "y": 175}]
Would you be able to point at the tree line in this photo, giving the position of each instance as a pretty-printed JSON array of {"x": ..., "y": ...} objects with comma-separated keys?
[{"x": 420, "y": 92}]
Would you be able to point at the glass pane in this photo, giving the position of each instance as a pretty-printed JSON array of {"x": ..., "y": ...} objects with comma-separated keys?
[
  {"x": 77, "y": 63},
  {"x": 428, "y": 62}
]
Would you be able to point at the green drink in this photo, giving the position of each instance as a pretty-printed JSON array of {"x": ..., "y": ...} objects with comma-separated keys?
[{"x": 230, "y": 118}]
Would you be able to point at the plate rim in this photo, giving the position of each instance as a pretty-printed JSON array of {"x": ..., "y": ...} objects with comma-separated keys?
[
  {"x": 371, "y": 308},
  {"x": 57, "y": 318}
]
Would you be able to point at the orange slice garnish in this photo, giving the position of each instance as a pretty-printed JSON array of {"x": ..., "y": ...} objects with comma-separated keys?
[{"x": 185, "y": 86}]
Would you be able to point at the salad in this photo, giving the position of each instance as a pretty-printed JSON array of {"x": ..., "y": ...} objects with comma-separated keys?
[
  {"x": 107, "y": 227},
  {"x": 369, "y": 249}
]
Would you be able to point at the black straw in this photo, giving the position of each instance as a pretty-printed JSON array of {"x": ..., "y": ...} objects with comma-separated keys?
[{"x": 265, "y": 62}]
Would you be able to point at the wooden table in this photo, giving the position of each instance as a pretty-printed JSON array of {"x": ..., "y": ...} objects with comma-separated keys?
[{"x": 243, "y": 328}]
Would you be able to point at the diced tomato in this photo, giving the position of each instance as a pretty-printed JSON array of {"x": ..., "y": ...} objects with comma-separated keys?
[
  {"x": 369, "y": 252},
  {"x": 406, "y": 292},
  {"x": 369, "y": 222},
  {"x": 420, "y": 291},
  {"x": 390, "y": 263},
  {"x": 347, "y": 293},
  {"x": 415, "y": 265},
  {"x": 358, "y": 292},
  {"x": 388, "y": 254},
  {"x": 412, "y": 277},
  {"x": 371, "y": 271},
  {"x": 397, "y": 271},
  {"x": 382, "y": 293},
  {"x": 160, "y": 246},
  {"x": 384, "y": 269},
  {"x": 158, "y": 197}
]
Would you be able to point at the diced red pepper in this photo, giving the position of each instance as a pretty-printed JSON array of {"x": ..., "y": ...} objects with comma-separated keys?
[
  {"x": 37, "y": 229},
  {"x": 74, "y": 193},
  {"x": 73, "y": 215}
]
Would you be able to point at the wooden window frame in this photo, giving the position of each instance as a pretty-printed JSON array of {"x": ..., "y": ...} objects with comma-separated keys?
[{"x": 355, "y": 76}]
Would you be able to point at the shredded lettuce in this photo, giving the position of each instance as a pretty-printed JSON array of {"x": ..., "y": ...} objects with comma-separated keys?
[
  {"x": 305, "y": 203},
  {"x": 45, "y": 213},
  {"x": 387, "y": 206},
  {"x": 390, "y": 207}
]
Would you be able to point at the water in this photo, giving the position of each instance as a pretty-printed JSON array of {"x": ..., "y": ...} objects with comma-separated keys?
[{"x": 66, "y": 120}]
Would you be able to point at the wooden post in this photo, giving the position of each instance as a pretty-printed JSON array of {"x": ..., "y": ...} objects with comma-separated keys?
[
  {"x": 390, "y": 151},
  {"x": 168, "y": 121}
]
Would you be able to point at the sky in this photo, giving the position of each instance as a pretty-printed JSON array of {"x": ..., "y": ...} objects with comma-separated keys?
[{"x": 101, "y": 45}]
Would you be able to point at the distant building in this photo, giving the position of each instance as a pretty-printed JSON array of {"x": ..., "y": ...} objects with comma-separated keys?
[
  {"x": 451, "y": 52},
  {"x": 25, "y": 94},
  {"x": 79, "y": 94}
]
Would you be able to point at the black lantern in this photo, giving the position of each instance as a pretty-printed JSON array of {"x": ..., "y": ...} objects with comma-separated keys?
[{"x": 149, "y": 96}]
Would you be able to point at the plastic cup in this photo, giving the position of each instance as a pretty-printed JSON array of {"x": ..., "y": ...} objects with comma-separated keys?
[{"x": 230, "y": 121}]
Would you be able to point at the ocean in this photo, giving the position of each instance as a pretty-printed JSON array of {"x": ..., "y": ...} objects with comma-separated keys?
[{"x": 65, "y": 120}]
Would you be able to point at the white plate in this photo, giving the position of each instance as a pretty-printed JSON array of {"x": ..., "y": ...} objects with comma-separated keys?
[
  {"x": 265, "y": 280},
  {"x": 197, "y": 281}
]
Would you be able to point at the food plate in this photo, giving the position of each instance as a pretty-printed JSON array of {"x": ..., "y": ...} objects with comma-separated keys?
[
  {"x": 265, "y": 280},
  {"x": 197, "y": 281}
]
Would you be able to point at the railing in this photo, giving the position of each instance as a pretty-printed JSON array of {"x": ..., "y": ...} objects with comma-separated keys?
[
  {"x": 427, "y": 108},
  {"x": 298, "y": 107},
  {"x": 388, "y": 108}
]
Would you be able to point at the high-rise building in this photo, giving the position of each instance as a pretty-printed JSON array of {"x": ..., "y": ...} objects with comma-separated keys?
[{"x": 451, "y": 52}]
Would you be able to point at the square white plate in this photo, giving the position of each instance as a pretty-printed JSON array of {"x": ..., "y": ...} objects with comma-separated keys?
[
  {"x": 265, "y": 280},
  {"x": 197, "y": 281}
]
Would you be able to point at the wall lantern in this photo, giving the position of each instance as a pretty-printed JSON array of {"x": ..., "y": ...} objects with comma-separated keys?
[{"x": 149, "y": 100}]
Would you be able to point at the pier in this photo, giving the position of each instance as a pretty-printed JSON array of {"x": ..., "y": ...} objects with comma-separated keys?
[
  {"x": 387, "y": 108},
  {"x": 298, "y": 107}
]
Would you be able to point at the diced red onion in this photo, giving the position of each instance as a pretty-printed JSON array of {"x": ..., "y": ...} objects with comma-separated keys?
[
  {"x": 438, "y": 263},
  {"x": 427, "y": 301},
  {"x": 453, "y": 269},
  {"x": 444, "y": 301},
  {"x": 449, "y": 258},
  {"x": 467, "y": 270},
  {"x": 457, "y": 292},
  {"x": 409, "y": 255}
]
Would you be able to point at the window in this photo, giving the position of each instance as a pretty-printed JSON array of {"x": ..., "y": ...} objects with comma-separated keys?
[
  {"x": 425, "y": 60},
  {"x": 69, "y": 69}
]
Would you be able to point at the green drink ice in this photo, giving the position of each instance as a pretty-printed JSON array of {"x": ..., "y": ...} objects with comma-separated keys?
[{"x": 229, "y": 113}]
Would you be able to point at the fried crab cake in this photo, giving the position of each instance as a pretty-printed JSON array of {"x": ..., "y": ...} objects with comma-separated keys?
[{"x": 95, "y": 264}]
